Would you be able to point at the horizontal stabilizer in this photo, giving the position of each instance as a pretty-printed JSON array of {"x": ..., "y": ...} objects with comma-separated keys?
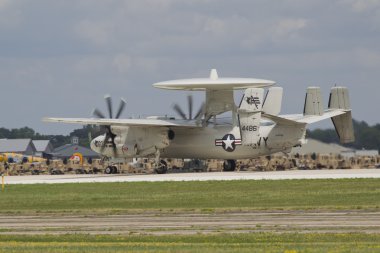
[{"x": 279, "y": 120}]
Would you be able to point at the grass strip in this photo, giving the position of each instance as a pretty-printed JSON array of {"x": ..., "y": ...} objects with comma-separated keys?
[
  {"x": 257, "y": 242},
  {"x": 208, "y": 196}
]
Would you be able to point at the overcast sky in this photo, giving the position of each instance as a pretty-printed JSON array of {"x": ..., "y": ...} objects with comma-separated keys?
[{"x": 59, "y": 58}]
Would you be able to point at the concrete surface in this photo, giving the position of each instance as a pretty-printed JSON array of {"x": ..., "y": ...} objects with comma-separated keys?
[{"x": 271, "y": 175}]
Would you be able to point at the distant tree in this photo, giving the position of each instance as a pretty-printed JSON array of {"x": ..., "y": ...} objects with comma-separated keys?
[
  {"x": 367, "y": 137},
  {"x": 4, "y": 133},
  {"x": 85, "y": 133},
  {"x": 325, "y": 135}
]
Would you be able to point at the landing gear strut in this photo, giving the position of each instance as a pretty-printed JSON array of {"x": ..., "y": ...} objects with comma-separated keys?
[
  {"x": 229, "y": 165},
  {"x": 161, "y": 165}
]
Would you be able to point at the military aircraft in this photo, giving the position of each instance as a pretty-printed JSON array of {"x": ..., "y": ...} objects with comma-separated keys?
[{"x": 255, "y": 128}]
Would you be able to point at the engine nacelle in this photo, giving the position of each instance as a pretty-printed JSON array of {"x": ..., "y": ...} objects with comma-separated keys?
[
  {"x": 121, "y": 134},
  {"x": 144, "y": 141},
  {"x": 148, "y": 140}
]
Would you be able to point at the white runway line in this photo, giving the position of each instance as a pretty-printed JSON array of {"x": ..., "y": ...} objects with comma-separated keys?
[{"x": 269, "y": 175}]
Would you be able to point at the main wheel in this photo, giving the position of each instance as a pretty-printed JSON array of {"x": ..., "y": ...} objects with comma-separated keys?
[
  {"x": 108, "y": 170},
  {"x": 229, "y": 165},
  {"x": 162, "y": 168}
]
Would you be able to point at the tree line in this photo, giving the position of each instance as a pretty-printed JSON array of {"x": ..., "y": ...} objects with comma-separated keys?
[
  {"x": 84, "y": 134},
  {"x": 366, "y": 136}
]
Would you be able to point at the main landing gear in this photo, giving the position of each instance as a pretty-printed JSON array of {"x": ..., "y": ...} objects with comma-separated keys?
[
  {"x": 161, "y": 165},
  {"x": 111, "y": 170},
  {"x": 229, "y": 165}
]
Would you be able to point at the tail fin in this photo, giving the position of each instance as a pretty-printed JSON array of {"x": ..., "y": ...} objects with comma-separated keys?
[
  {"x": 250, "y": 115},
  {"x": 272, "y": 101},
  {"x": 339, "y": 111},
  {"x": 313, "y": 102},
  {"x": 339, "y": 99}
]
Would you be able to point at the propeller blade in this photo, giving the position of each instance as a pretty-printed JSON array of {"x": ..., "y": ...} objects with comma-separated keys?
[
  {"x": 113, "y": 148},
  {"x": 109, "y": 104},
  {"x": 179, "y": 111},
  {"x": 121, "y": 108},
  {"x": 104, "y": 143},
  {"x": 112, "y": 137},
  {"x": 107, "y": 136},
  {"x": 89, "y": 136},
  {"x": 190, "y": 105},
  {"x": 200, "y": 111},
  {"x": 98, "y": 114}
]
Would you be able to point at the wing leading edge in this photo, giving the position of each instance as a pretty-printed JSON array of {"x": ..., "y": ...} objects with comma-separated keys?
[{"x": 126, "y": 122}]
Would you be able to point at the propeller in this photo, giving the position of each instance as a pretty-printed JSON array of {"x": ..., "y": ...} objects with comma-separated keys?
[
  {"x": 109, "y": 136},
  {"x": 183, "y": 115}
]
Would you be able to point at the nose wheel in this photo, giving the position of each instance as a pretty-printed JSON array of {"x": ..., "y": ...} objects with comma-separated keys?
[{"x": 229, "y": 165}]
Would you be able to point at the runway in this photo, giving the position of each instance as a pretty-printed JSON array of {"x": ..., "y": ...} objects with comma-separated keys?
[
  {"x": 272, "y": 175},
  {"x": 188, "y": 223}
]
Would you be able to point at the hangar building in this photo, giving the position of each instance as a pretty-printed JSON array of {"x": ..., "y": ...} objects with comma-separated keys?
[
  {"x": 19, "y": 146},
  {"x": 66, "y": 151}
]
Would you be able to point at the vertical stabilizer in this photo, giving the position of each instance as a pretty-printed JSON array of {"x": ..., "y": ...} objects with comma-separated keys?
[
  {"x": 313, "y": 102},
  {"x": 339, "y": 99},
  {"x": 273, "y": 101},
  {"x": 250, "y": 115}
]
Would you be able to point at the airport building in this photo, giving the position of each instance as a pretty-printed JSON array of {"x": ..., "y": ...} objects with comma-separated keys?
[
  {"x": 43, "y": 147},
  {"x": 19, "y": 146},
  {"x": 68, "y": 150}
]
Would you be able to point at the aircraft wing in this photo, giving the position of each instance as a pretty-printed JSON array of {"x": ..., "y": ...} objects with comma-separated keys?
[{"x": 127, "y": 122}]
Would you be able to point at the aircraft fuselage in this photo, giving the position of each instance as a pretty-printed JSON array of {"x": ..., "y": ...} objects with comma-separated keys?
[{"x": 214, "y": 142}]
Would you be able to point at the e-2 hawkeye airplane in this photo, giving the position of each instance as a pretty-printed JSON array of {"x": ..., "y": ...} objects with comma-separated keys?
[{"x": 255, "y": 128}]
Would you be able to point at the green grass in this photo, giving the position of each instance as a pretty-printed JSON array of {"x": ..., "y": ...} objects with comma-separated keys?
[
  {"x": 257, "y": 242},
  {"x": 209, "y": 196}
]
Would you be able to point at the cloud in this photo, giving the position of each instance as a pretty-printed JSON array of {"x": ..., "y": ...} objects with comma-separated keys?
[
  {"x": 69, "y": 53},
  {"x": 363, "y": 5},
  {"x": 279, "y": 33},
  {"x": 97, "y": 33},
  {"x": 122, "y": 62},
  {"x": 4, "y": 4},
  {"x": 289, "y": 26}
]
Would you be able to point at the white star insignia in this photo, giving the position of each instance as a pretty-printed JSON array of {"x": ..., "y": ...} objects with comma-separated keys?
[{"x": 228, "y": 143}]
